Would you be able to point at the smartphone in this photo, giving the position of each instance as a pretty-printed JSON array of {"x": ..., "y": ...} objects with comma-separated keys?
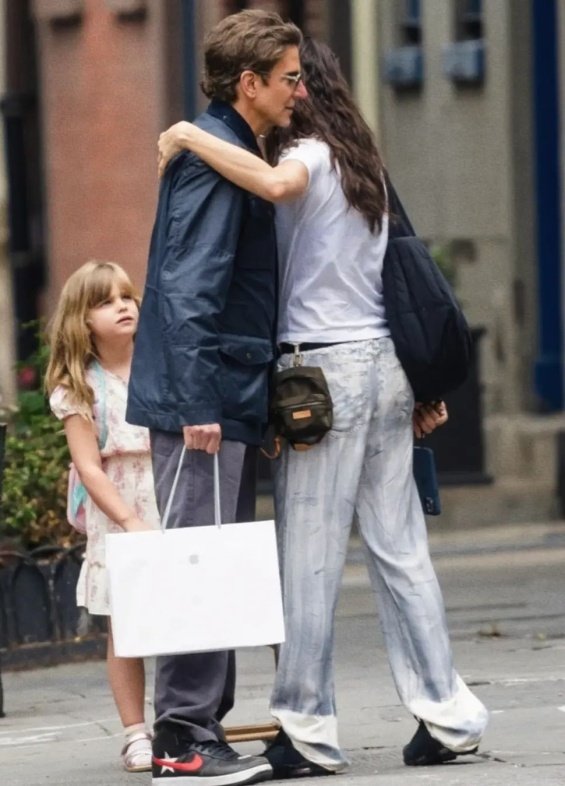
[{"x": 425, "y": 475}]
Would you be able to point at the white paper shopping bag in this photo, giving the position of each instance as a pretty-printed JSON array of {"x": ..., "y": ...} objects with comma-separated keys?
[{"x": 194, "y": 589}]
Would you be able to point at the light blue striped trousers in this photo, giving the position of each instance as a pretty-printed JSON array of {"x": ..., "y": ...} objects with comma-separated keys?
[{"x": 362, "y": 467}]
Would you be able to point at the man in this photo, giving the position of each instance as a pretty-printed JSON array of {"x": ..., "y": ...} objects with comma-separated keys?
[{"x": 203, "y": 350}]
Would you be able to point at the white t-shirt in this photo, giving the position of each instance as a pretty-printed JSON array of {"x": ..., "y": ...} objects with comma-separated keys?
[{"x": 330, "y": 262}]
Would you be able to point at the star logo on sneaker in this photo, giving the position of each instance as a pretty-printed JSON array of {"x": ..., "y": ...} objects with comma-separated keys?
[{"x": 169, "y": 764}]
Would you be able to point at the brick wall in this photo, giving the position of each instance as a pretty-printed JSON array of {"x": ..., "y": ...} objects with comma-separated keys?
[{"x": 102, "y": 88}]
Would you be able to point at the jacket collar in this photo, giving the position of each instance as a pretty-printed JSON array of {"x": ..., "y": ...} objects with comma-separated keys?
[{"x": 225, "y": 112}]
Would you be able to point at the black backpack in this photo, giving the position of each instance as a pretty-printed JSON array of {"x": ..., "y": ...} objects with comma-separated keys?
[{"x": 430, "y": 333}]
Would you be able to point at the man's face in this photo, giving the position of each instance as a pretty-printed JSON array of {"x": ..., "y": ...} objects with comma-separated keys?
[{"x": 278, "y": 93}]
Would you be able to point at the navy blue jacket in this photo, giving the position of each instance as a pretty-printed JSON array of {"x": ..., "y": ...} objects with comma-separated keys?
[{"x": 206, "y": 329}]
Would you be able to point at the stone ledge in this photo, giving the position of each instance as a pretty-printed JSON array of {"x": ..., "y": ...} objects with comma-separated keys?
[
  {"x": 33, "y": 656},
  {"x": 523, "y": 446},
  {"x": 506, "y": 501}
]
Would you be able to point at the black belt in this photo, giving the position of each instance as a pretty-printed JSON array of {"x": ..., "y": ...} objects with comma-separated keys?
[{"x": 285, "y": 348}]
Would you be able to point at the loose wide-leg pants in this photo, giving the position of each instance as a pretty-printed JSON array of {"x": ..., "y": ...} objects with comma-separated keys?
[{"x": 362, "y": 467}]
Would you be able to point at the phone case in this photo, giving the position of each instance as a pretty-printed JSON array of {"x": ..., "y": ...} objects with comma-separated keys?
[{"x": 426, "y": 480}]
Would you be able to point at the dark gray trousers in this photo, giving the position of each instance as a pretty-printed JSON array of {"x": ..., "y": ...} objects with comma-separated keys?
[{"x": 197, "y": 690}]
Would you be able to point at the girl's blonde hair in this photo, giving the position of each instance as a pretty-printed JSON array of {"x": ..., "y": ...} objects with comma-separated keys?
[{"x": 72, "y": 348}]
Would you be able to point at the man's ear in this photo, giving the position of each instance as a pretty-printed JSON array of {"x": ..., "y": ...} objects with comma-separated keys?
[{"x": 248, "y": 84}]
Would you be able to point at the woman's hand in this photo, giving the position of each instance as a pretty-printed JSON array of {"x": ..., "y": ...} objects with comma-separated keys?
[
  {"x": 427, "y": 417},
  {"x": 172, "y": 142}
]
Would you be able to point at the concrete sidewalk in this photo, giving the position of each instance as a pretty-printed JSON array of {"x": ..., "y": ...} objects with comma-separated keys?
[{"x": 505, "y": 595}]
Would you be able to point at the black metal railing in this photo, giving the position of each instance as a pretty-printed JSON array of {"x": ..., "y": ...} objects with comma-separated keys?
[
  {"x": 37, "y": 597},
  {"x": 40, "y": 623},
  {"x": 37, "y": 602}
]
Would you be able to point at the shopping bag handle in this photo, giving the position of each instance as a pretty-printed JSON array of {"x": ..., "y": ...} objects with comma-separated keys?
[{"x": 217, "y": 510}]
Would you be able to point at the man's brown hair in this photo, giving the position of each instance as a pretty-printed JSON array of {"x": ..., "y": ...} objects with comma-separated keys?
[{"x": 250, "y": 40}]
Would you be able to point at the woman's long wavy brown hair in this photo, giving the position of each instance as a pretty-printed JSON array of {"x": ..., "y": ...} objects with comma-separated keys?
[
  {"x": 72, "y": 347},
  {"x": 330, "y": 114}
]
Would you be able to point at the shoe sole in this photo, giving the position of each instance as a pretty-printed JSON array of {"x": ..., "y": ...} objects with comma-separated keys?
[
  {"x": 252, "y": 775},
  {"x": 442, "y": 756},
  {"x": 305, "y": 771},
  {"x": 140, "y": 768}
]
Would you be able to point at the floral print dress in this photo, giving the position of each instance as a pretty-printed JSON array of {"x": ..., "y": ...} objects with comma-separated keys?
[{"x": 126, "y": 461}]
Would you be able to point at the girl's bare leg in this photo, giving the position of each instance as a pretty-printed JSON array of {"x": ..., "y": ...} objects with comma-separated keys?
[{"x": 127, "y": 680}]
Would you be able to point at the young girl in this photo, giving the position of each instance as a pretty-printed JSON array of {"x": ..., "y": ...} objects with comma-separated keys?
[{"x": 87, "y": 377}]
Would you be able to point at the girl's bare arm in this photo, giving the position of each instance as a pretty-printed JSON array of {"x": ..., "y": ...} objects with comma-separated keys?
[{"x": 85, "y": 454}]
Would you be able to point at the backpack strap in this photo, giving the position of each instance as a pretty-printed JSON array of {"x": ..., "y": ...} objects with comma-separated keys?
[
  {"x": 101, "y": 389},
  {"x": 399, "y": 223}
]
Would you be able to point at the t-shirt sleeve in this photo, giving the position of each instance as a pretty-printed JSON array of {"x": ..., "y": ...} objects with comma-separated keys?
[
  {"x": 310, "y": 152},
  {"x": 63, "y": 405}
]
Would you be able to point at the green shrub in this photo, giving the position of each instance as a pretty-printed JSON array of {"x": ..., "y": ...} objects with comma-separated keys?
[
  {"x": 35, "y": 471},
  {"x": 443, "y": 258}
]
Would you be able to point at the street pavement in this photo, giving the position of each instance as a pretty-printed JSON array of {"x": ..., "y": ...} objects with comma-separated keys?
[{"x": 505, "y": 595}]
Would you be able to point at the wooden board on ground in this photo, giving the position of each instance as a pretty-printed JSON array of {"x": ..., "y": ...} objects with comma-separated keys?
[{"x": 254, "y": 731}]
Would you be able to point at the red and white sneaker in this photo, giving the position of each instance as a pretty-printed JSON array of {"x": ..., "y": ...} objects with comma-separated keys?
[{"x": 211, "y": 763}]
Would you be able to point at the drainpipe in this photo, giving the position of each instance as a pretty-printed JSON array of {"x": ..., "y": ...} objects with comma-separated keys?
[
  {"x": 549, "y": 365},
  {"x": 365, "y": 60},
  {"x": 189, "y": 58}
]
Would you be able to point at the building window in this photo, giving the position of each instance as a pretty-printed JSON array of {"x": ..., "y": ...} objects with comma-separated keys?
[
  {"x": 58, "y": 11},
  {"x": 411, "y": 23},
  {"x": 403, "y": 66},
  {"x": 464, "y": 59},
  {"x": 468, "y": 20}
]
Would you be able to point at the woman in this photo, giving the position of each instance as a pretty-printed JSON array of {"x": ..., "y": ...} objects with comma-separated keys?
[{"x": 332, "y": 229}]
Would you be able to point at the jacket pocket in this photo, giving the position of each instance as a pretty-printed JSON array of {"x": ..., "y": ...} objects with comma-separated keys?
[{"x": 245, "y": 376}]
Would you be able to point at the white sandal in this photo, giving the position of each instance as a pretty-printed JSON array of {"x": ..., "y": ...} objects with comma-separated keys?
[{"x": 137, "y": 752}]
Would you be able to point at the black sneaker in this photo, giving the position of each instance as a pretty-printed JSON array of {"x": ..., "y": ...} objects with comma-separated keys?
[
  {"x": 287, "y": 762},
  {"x": 423, "y": 750},
  {"x": 191, "y": 763}
]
